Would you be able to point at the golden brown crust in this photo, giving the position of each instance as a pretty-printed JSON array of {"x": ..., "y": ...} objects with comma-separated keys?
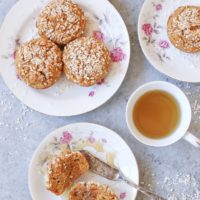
[
  {"x": 184, "y": 28},
  {"x": 86, "y": 61},
  {"x": 61, "y": 21},
  {"x": 39, "y": 63},
  {"x": 64, "y": 170},
  {"x": 91, "y": 191}
]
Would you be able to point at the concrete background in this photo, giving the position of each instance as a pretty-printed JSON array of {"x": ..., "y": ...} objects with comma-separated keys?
[{"x": 172, "y": 171}]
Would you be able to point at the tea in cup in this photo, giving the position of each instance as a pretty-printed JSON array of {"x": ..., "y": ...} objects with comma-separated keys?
[{"x": 159, "y": 114}]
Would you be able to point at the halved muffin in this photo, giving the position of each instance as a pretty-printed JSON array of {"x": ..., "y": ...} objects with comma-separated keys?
[
  {"x": 64, "y": 170},
  {"x": 91, "y": 191}
]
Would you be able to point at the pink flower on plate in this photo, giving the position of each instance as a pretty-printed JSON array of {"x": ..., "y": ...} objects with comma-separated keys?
[
  {"x": 91, "y": 139},
  {"x": 122, "y": 195},
  {"x": 98, "y": 35},
  {"x": 117, "y": 55},
  {"x": 158, "y": 7},
  {"x": 67, "y": 138},
  {"x": 13, "y": 55},
  {"x": 91, "y": 94},
  {"x": 148, "y": 29},
  {"x": 164, "y": 44}
]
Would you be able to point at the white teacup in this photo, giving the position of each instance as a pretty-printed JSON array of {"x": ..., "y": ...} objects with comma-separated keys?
[{"x": 185, "y": 118}]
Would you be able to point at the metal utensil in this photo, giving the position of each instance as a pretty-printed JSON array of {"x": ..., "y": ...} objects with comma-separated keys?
[{"x": 101, "y": 168}]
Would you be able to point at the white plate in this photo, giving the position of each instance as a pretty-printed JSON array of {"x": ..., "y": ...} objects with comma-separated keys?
[
  {"x": 64, "y": 98},
  {"x": 152, "y": 31},
  {"x": 101, "y": 141}
]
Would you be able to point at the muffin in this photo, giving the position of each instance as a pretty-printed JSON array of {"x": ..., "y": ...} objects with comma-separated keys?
[
  {"x": 64, "y": 170},
  {"x": 86, "y": 61},
  {"x": 91, "y": 191},
  {"x": 39, "y": 63},
  {"x": 184, "y": 28},
  {"x": 61, "y": 21}
]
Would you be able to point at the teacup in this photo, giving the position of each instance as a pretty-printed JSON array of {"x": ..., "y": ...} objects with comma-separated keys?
[{"x": 185, "y": 115}]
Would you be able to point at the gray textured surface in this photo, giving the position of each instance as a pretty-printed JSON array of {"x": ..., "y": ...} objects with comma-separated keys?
[{"x": 172, "y": 171}]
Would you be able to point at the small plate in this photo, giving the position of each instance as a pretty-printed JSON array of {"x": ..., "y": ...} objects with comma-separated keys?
[
  {"x": 152, "y": 31},
  {"x": 65, "y": 98},
  {"x": 101, "y": 141}
]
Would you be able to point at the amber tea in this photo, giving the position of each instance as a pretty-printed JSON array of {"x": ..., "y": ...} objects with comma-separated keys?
[{"x": 156, "y": 114}]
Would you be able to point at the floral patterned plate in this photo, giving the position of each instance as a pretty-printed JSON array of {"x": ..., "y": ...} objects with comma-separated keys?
[
  {"x": 101, "y": 141},
  {"x": 65, "y": 98},
  {"x": 152, "y": 31}
]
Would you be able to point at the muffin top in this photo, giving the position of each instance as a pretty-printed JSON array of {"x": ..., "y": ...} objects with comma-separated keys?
[
  {"x": 91, "y": 191},
  {"x": 86, "y": 61},
  {"x": 184, "y": 28},
  {"x": 61, "y": 21},
  {"x": 39, "y": 63}
]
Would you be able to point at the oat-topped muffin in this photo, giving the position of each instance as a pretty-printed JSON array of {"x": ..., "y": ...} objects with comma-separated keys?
[
  {"x": 61, "y": 21},
  {"x": 39, "y": 63},
  {"x": 86, "y": 61},
  {"x": 91, "y": 191},
  {"x": 64, "y": 170},
  {"x": 184, "y": 28}
]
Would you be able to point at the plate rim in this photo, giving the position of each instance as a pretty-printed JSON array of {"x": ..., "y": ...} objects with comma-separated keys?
[
  {"x": 149, "y": 58},
  {"x": 49, "y": 112},
  {"x": 38, "y": 147}
]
